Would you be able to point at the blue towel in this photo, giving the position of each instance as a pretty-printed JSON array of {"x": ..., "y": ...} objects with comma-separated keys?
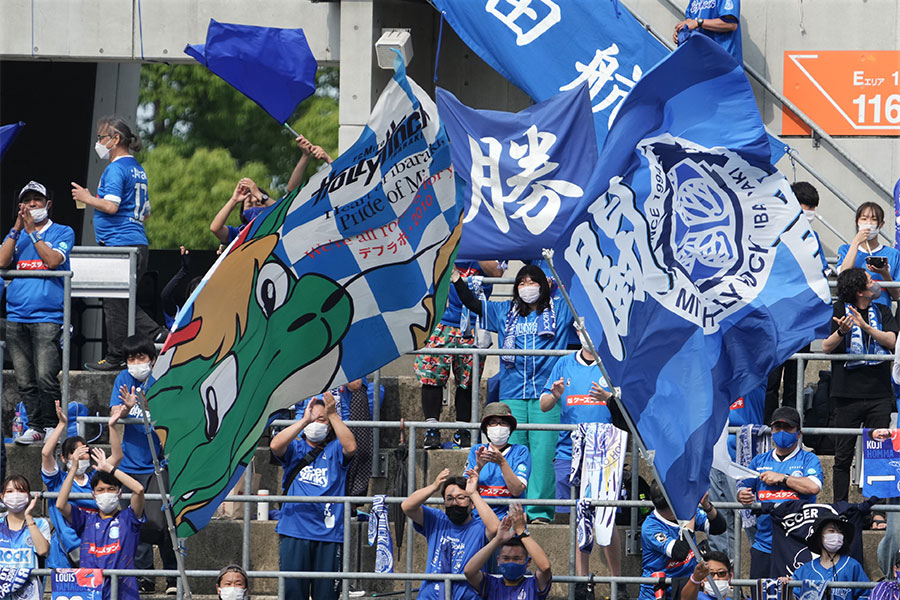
[
  {"x": 12, "y": 579},
  {"x": 584, "y": 525},
  {"x": 546, "y": 328},
  {"x": 855, "y": 341},
  {"x": 380, "y": 532}
]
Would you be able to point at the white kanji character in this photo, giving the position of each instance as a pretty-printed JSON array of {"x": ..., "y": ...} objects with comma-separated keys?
[
  {"x": 523, "y": 8},
  {"x": 600, "y": 71}
]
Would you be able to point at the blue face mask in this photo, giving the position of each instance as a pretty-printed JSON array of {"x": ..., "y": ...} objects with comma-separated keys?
[
  {"x": 512, "y": 571},
  {"x": 251, "y": 213},
  {"x": 785, "y": 439}
]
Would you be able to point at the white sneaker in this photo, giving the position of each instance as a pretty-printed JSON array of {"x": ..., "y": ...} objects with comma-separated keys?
[{"x": 30, "y": 437}]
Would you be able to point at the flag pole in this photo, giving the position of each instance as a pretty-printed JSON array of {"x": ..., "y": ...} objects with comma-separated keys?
[
  {"x": 157, "y": 471},
  {"x": 291, "y": 129},
  {"x": 616, "y": 397}
]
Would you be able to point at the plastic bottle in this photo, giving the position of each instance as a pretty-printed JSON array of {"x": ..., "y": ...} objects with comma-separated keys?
[{"x": 17, "y": 428}]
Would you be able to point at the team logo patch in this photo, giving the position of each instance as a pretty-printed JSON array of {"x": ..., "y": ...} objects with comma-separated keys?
[
  {"x": 797, "y": 474},
  {"x": 661, "y": 537}
]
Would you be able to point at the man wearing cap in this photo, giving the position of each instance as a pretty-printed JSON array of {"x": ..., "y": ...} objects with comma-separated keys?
[
  {"x": 34, "y": 307},
  {"x": 786, "y": 473},
  {"x": 830, "y": 540},
  {"x": 502, "y": 468}
]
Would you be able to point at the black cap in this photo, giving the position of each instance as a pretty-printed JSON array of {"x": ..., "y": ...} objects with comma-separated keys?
[{"x": 785, "y": 414}]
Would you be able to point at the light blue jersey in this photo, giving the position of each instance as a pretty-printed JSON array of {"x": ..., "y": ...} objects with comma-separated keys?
[{"x": 124, "y": 183}]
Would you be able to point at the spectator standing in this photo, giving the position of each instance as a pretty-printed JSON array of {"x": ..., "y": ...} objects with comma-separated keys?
[
  {"x": 454, "y": 535},
  {"x": 516, "y": 549},
  {"x": 664, "y": 547},
  {"x": 252, "y": 201},
  {"x": 830, "y": 540},
  {"x": 720, "y": 20},
  {"x": 24, "y": 536},
  {"x": 861, "y": 390},
  {"x": 786, "y": 473},
  {"x": 537, "y": 318},
  {"x": 34, "y": 307},
  {"x": 109, "y": 536},
  {"x": 865, "y": 252},
  {"x": 311, "y": 535},
  {"x": 121, "y": 206},
  {"x": 502, "y": 468},
  {"x": 433, "y": 370}
]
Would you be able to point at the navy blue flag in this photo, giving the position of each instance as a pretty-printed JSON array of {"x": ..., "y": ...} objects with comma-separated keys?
[
  {"x": 7, "y": 134},
  {"x": 273, "y": 67},
  {"x": 881, "y": 463},
  {"x": 522, "y": 170},
  {"x": 690, "y": 260}
]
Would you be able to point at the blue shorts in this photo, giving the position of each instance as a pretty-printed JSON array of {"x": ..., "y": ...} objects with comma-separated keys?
[{"x": 562, "y": 468}]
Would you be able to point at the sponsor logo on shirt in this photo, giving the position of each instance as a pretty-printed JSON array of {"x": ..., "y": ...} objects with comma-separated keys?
[
  {"x": 16, "y": 556},
  {"x": 777, "y": 495},
  {"x": 529, "y": 328},
  {"x": 493, "y": 491},
  {"x": 31, "y": 265},
  {"x": 674, "y": 564},
  {"x": 104, "y": 550},
  {"x": 739, "y": 403},
  {"x": 317, "y": 477},
  {"x": 698, "y": 5},
  {"x": 583, "y": 400}
]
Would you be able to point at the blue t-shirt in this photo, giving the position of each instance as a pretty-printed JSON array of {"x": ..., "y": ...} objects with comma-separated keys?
[
  {"x": 233, "y": 232},
  {"x": 658, "y": 535},
  {"x": 846, "y": 569},
  {"x": 527, "y": 377},
  {"x": 449, "y": 549},
  {"x": 64, "y": 537},
  {"x": 576, "y": 401},
  {"x": 798, "y": 463},
  {"x": 138, "y": 458},
  {"x": 109, "y": 543},
  {"x": 727, "y": 10},
  {"x": 494, "y": 587},
  {"x": 17, "y": 552},
  {"x": 123, "y": 182},
  {"x": 491, "y": 483},
  {"x": 39, "y": 300},
  {"x": 453, "y": 312},
  {"x": 325, "y": 476},
  {"x": 893, "y": 258}
]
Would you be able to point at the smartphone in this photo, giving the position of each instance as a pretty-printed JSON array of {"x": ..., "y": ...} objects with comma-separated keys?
[{"x": 879, "y": 262}]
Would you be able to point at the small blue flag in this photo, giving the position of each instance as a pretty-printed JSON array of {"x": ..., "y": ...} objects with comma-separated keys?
[
  {"x": 273, "y": 67},
  {"x": 525, "y": 172},
  {"x": 7, "y": 134},
  {"x": 691, "y": 260}
]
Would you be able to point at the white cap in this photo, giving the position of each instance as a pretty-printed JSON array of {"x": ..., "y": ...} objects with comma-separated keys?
[{"x": 33, "y": 186}]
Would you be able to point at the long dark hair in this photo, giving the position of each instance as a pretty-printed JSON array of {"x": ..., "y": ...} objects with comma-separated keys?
[{"x": 536, "y": 275}]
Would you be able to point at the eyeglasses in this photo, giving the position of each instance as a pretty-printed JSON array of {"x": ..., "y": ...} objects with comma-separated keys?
[
  {"x": 462, "y": 499},
  {"x": 723, "y": 574},
  {"x": 100, "y": 138}
]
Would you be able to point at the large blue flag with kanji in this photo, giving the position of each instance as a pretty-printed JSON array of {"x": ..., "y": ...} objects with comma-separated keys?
[{"x": 691, "y": 260}]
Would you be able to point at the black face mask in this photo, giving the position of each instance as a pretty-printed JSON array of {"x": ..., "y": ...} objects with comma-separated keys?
[{"x": 457, "y": 514}]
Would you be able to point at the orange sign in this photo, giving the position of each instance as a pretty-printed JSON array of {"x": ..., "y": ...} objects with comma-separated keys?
[{"x": 845, "y": 92}]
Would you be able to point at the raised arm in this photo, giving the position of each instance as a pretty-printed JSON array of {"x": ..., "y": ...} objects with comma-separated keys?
[
  {"x": 283, "y": 438},
  {"x": 341, "y": 431},
  {"x": 62, "y": 501},
  {"x": 218, "y": 225},
  {"x": 39, "y": 542},
  {"x": 412, "y": 506},
  {"x": 48, "y": 461},
  {"x": 115, "y": 440},
  {"x": 472, "y": 570},
  {"x": 296, "y": 177},
  {"x": 465, "y": 294},
  {"x": 487, "y": 514},
  {"x": 542, "y": 572}
]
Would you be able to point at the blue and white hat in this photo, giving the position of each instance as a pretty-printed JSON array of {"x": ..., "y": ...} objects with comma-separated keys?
[{"x": 33, "y": 186}]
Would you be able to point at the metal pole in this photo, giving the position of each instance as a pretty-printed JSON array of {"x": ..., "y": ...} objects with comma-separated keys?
[
  {"x": 377, "y": 470},
  {"x": 410, "y": 488},
  {"x": 132, "y": 289},
  {"x": 572, "y": 541},
  {"x": 801, "y": 368},
  {"x": 114, "y": 587},
  {"x": 66, "y": 342},
  {"x": 245, "y": 527},
  {"x": 2, "y": 347},
  {"x": 280, "y": 587},
  {"x": 476, "y": 392},
  {"x": 345, "y": 554},
  {"x": 738, "y": 543},
  {"x": 831, "y": 228},
  {"x": 635, "y": 491}
]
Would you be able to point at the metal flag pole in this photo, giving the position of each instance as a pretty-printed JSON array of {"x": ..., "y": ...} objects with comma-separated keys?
[
  {"x": 647, "y": 455},
  {"x": 291, "y": 129},
  {"x": 157, "y": 471}
]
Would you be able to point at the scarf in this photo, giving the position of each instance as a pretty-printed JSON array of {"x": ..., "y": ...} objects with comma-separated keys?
[
  {"x": 886, "y": 590},
  {"x": 598, "y": 450},
  {"x": 584, "y": 523},
  {"x": 772, "y": 589},
  {"x": 855, "y": 342},
  {"x": 380, "y": 533},
  {"x": 750, "y": 441},
  {"x": 546, "y": 327},
  {"x": 12, "y": 579}
]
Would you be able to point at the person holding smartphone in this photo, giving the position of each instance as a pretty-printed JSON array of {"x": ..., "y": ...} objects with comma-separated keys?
[{"x": 866, "y": 252}]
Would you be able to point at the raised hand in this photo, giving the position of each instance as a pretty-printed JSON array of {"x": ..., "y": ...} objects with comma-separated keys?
[
  {"x": 116, "y": 413},
  {"x": 441, "y": 478}
]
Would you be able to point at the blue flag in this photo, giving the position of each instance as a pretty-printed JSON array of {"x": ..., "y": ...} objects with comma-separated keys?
[
  {"x": 522, "y": 170},
  {"x": 690, "y": 260},
  {"x": 328, "y": 285},
  {"x": 273, "y": 67},
  {"x": 8, "y": 133},
  {"x": 881, "y": 464}
]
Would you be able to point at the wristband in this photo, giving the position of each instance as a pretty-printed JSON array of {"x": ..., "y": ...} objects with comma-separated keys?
[
  {"x": 695, "y": 582},
  {"x": 35, "y": 237},
  {"x": 13, "y": 234},
  {"x": 524, "y": 534},
  {"x": 113, "y": 471}
]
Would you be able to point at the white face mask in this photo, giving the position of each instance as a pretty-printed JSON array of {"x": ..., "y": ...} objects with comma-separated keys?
[
  {"x": 498, "y": 434},
  {"x": 832, "y": 541},
  {"x": 83, "y": 466},
  {"x": 107, "y": 503},
  {"x": 723, "y": 584},
  {"x": 530, "y": 293},
  {"x": 16, "y": 502},
  {"x": 810, "y": 216},
  {"x": 140, "y": 371},
  {"x": 101, "y": 150},
  {"x": 231, "y": 593},
  {"x": 39, "y": 214},
  {"x": 315, "y": 432},
  {"x": 874, "y": 230}
]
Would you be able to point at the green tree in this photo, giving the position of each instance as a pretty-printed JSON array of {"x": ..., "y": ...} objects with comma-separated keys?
[{"x": 185, "y": 195}]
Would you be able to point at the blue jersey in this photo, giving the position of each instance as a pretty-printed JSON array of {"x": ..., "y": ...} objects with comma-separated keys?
[
  {"x": 64, "y": 537},
  {"x": 846, "y": 569},
  {"x": 893, "y": 258},
  {"x": 798, "y": 463},
  {"x": 494, "y": 587},
  {"x": 39, "y": 300},
  {"x": 727, "y": 10},
  {"x": 124, "y": 183},
  {"x": 577, "y": 404},
  {"x": 325, "y": 476},
  {"x": 109, "y": 543},
  {"x": 658, "y": 535},
  {"x": 449, "y": 549},
  {"x": 527, "y": 377},
  {"x": 138, "y": 458},
  {"x": 491, "y": 483},
  {"x": 17, "y": 552}
]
